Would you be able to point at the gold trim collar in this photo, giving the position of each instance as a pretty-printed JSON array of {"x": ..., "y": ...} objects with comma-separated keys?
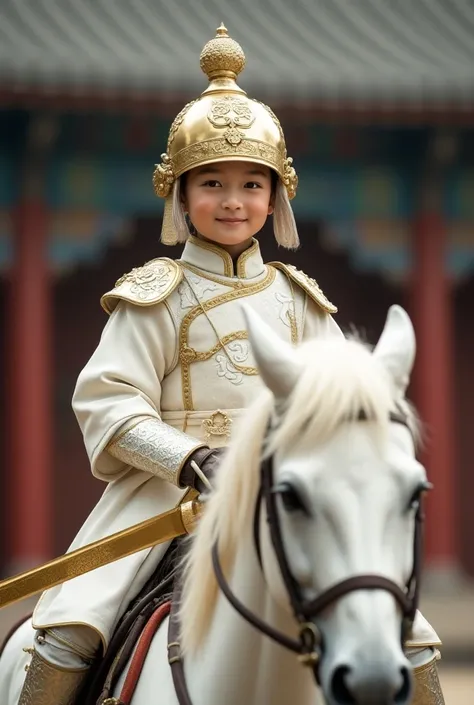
[{"x": 209, "y": 257}]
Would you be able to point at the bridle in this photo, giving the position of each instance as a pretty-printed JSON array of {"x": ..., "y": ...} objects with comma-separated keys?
[
  {"x": 304, "y": 611},
  {"x": 309, "y": 646}
]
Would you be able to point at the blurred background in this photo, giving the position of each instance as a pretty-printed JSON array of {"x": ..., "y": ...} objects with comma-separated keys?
[{"x": 376, "y": 99}]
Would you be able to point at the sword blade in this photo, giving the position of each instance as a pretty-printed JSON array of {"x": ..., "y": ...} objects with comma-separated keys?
[{"x": 167, "y": 526}]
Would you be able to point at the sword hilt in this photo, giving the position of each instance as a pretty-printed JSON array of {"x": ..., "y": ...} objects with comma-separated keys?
[{"x": 190, "y": 513}]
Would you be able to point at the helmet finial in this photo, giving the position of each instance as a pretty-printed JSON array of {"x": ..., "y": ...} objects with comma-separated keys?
[{"x": 222, "y": 57}]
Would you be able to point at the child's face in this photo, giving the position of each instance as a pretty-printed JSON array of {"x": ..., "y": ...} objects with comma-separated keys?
[{"x": 228, "y": 202}]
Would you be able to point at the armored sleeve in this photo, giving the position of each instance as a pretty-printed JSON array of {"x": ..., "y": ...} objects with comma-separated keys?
[
  {"x": 119, "y": 392},
  {"x": 150, "y": 444}
]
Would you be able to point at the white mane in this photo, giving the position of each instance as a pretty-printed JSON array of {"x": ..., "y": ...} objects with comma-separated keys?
[{"x": 340, "y": 379}]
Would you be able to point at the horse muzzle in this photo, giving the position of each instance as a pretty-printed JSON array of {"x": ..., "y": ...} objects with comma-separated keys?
[{"x": 367, "y": 677}]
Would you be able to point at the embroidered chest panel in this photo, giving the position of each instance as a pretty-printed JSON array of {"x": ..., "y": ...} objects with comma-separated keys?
[{"x": 215, "y": 358}]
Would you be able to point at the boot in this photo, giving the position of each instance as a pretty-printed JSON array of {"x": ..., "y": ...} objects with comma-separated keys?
[
  {"x": 46, "y": 684},
  {"x": 427, "y": 686}
]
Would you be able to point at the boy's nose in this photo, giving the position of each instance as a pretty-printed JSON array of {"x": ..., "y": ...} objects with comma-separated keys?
[{"x": 231, "y": 203}]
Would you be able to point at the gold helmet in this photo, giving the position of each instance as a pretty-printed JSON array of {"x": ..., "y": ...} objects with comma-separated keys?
[{"x": 223, "y": 124}]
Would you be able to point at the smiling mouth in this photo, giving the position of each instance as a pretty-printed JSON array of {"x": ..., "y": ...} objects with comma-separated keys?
[{"x": 231, "y": 220}]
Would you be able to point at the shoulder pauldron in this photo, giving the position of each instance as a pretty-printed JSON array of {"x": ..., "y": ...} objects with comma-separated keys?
[
  {"x": 310, "y": 286},
  {"x": 145, "y": 286}
]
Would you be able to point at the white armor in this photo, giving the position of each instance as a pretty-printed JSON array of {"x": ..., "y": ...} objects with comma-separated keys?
[{"x": 175, "y": 349}]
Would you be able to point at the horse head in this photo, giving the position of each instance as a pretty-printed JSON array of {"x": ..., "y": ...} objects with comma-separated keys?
[{"x": 338, "y": 495}]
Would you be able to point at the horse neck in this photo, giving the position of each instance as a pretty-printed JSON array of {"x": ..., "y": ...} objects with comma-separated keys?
[{"x": 236, "y": 663}]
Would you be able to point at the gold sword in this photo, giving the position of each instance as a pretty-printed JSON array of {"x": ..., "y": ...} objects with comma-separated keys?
[{"x": 164, "y": 527}]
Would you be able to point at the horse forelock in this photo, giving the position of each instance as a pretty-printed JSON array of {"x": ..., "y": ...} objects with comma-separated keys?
[{"x": 339, "y": 381}]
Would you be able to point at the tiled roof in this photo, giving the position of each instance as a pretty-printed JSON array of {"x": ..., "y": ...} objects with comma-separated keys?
[{"x": 404, "y": 50}]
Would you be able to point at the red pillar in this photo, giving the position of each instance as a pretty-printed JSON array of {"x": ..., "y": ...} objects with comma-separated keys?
[
  {"x": 434, "y": 385},
  {"x": 30, "y": 466}
]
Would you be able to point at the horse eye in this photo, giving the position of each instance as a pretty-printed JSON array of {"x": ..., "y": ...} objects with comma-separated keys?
[
  {"x": 417, "y": 494},
  {"x": 291, "y": 498}
]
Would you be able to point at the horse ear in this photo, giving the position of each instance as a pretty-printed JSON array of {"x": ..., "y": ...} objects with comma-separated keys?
[
  {"x": 275, "y": 358},
  {"x": 397, "y": 347}
]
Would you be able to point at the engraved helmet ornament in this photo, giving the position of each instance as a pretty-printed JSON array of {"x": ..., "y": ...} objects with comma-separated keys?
[{"x": 223, "y": 124}]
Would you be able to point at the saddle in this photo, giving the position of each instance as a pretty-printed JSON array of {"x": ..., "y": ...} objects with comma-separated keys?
[{"x": 145, "y": 612}]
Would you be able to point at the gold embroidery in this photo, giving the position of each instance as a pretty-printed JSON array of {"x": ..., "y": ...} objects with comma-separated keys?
[
  {"x": 185, "y": 422},
  {"x": 145, "y": 285},
  {"x": 228, "y": 263},
  {"x": 225, "y": 257},
  {"x": 211, "y": 277},
  {"x": 293, "y": 327},
  {"x": 192, "y": 355},
  {"x": 289, "y": 175},
  {"x": 178, "y": 120},
  {"x": 273, "y": 117},
  {"x": 164, "y": 176},
  {"x": 307, "y": 284},
  {"x": 218, "y": 424},
  {"x": 427, "y": 686},
  {"x": 188, "y": 354},
  {"x": 242, "y": 260},
  {"x": 149, "y": 278},
  {"x": 231, "y": 112},
  {"x": 292, "y": 315},
  {"x": 218, "y": 147}
]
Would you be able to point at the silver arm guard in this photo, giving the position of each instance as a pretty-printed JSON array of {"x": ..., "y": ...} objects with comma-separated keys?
[{"x": 155, "y": 447}]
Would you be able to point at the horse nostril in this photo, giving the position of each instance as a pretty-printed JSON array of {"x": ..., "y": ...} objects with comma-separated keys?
[
  {"x": 346, "y": 692},
  {"x": 404, "y": 694},
  {"x": 340, "y": 691}
]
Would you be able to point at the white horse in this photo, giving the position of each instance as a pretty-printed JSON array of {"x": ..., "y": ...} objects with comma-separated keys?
[{"x": 328, "y": 573}]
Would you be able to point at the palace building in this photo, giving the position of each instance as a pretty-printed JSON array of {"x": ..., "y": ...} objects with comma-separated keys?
[{"x": 377, "y": 103}]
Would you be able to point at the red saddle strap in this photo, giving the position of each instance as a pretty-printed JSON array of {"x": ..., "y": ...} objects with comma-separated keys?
[{"x": 141, "y": 652}]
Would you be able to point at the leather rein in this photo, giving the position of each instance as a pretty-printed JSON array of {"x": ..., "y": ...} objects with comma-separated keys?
[{"x": 308, "y": 646}]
